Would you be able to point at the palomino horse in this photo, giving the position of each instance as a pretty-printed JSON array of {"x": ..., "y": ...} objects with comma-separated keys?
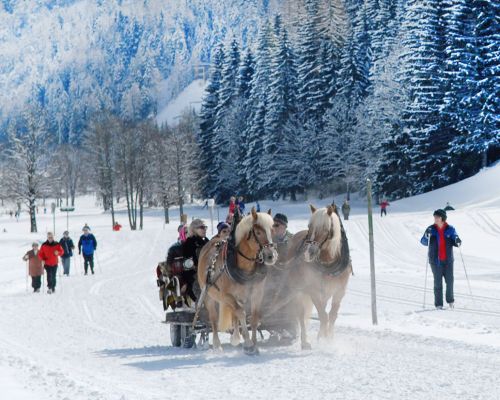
[
  {"x": 321, "y": 267},
  {"x": 233, "y": 273}
]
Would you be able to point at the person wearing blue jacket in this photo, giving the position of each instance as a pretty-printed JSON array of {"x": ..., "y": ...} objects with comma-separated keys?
[
  {"x": 441, "y": 238},
  {"x": 87, "y": 245}
]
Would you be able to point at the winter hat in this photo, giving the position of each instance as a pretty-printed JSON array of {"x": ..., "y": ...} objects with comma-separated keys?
[
  {"x": 440, "y": 213},
  {"x": 65, "y": 233},
  {"x": 222, "y": 225},
  {"x": 195, "y": 224},
  {"x": 281, "y": 219}
]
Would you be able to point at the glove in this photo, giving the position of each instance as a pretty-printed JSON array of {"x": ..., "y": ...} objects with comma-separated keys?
[
  {"x": 428, "y": 232},
  {"x": 80, "y": 253},
  {"x": 458, "y": 242}
]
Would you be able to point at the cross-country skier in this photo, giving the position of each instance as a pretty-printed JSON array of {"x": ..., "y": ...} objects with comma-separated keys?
[
  {"x": 49, "y": 253},
  {"x": 440, "y": 238}
]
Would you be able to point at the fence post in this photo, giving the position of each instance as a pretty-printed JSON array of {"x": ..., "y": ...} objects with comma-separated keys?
[{"x": 372, "y": 253}]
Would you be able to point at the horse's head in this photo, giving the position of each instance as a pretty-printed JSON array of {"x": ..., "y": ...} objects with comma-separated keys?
[
  {"x": 256, "y": 230},
  {"x": 324, "y": 234}
]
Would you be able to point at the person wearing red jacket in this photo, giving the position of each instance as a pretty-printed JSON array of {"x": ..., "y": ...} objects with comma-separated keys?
[
  {"x": 383, "y": 208},
  {"x": 49, "y": 253}
]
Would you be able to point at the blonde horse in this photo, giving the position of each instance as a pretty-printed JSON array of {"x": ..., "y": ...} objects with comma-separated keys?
[
  {"x": 233, "y": 274},
  {"x": 320, "y": 268}
]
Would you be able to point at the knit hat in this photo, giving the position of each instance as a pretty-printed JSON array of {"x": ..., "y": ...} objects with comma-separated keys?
[
  {"x": 440, "y": 213},
  {"x": 281, "y": 219},
  {"x": 222, "y": 225},
  {"x": 195, "y": 224}
]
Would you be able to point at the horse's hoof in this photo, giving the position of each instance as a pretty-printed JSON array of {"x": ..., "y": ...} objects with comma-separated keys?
[
  {"x": 306, "y": 346},
  {"x": 235, "y": 341},
  {"x": 251, "y": 350}
]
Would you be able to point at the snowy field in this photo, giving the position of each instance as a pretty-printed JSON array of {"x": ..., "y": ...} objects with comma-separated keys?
[{"x": 101, "y": 336}]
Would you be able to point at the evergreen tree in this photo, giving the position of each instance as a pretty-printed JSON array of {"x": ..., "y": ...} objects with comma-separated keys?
[
  {"x": 255, "y": 130},
  {"x": 207, "y": 121},
  {"x": 422, "y": 60},
  {"x": 486, "y": 97}
]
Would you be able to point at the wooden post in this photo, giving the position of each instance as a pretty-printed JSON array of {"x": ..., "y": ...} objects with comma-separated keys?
[{"x": 372, "y": 253}]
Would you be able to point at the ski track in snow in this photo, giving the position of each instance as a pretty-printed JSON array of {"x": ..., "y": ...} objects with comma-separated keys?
[{"x": 101, "y": 337}]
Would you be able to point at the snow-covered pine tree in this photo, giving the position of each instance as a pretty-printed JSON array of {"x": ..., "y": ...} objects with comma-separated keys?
[
  {"x": 281, "y": 103},
  {"x": 207, "y": 121},
  {"x": 223, "y": 146},
  {"x": 310, "y": 81},
  {"x": 458, "y": 116},
  {"x": 486, "y": 95},
  {"x": 422, "y": 62},
  {"x": 255, "y": 129},
  {"x": 245, "y": 75}
]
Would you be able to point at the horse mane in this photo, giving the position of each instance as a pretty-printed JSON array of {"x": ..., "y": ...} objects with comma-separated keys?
[
  {"x": 244, "y": 227},
  {"x": 321, "y": 222}
]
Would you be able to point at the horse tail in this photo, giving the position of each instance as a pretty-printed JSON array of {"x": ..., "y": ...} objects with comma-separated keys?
[{"x": 225, "y": 318}]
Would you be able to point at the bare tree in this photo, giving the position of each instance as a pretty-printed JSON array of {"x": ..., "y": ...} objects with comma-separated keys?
[
  {"x": 100, "y": 143},
  {"x": 182, "y": 157},
  {"x": 163, "y": 182},
  {"x": 69, "y": 160},
  {"x": 27, "y": 154},
  {"x": 132, "y": 147}
]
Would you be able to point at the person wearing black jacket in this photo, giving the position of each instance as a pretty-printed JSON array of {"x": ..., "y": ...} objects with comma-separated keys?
[
  {"x": 67, "y": 244},
  {"x": 191, "y": 251}
]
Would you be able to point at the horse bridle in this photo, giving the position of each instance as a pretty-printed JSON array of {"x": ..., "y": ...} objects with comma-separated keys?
[
  {"x": 314, "y": 242},
  {"x": 259, "y": 256}
]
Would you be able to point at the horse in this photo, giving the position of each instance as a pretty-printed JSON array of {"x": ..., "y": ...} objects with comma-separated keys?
[
  {"x": 233, "y": 273},
  {"x": 320, "y": 268}
]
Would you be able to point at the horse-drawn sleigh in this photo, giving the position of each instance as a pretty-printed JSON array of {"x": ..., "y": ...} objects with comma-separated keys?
[{"x": 245, "y": 285}]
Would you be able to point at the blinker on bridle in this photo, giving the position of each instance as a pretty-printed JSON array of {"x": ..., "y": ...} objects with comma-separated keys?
[
  {"x": 320, "y": 245},
  {"x": 259, "y": 257}
]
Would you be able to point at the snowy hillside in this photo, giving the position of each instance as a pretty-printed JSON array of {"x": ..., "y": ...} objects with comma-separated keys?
[
  {"x": 101, "y": 336},
  {"x": 74, "y": 57},
  {"x": 189, "y": 99}
]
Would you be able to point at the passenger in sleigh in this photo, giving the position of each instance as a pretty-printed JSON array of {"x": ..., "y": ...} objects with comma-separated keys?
[{"x": 197, "y": 238}]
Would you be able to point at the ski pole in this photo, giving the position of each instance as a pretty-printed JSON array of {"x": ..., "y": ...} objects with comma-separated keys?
[
  {"x": 27, "y": 274},
  {"x": 43, "y": 280},
  {"x": 466, "y": 276},
  {"x": 425, "y": 283}
]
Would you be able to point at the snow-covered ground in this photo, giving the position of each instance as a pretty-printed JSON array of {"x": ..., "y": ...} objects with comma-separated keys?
[{"x": 101, "y": 336}]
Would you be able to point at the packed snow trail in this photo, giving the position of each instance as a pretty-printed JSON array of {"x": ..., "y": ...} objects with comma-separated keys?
[{"x": 101, "y": 337}]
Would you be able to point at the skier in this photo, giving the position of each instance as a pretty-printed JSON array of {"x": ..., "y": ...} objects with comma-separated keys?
[
  {"x": 346, "y": 209},
  {"x": 257, "y": 206},
  {"x": 190, "y": 251},
  {"x": 88, "y": 245},
  {"x": 49, "y": 253},
  {"x": 35, "y": 267},
  {"x": 68, "y": 247},
  {"x": 205, "y": 205},
  {"x": 448, "y": 207},
  {"x": 383, "y": 208},
  {"x": 440, "y": 238},
  {"x": 117, "y": 226}
]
